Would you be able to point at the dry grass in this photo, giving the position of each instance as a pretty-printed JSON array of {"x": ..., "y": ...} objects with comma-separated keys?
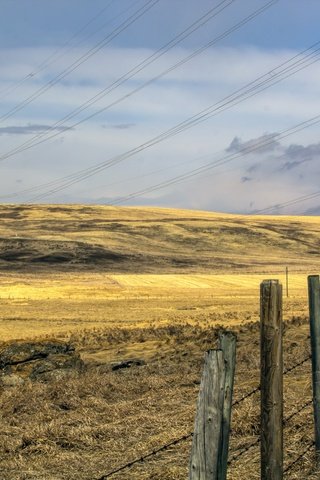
[
  {"x": 89, "y": 425},
  {"x": 156, "y": 284},
  {"x": 59, "y": 304}
]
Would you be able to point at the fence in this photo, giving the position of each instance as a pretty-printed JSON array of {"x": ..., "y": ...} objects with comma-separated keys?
[{"x": 209, "y": 455}]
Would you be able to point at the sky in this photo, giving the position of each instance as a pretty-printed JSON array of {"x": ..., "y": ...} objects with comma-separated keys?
[{"x": 171, "y": 103}]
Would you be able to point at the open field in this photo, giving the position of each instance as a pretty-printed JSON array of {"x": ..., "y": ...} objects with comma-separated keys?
[
  {"x": 153, "y": 284},
  {"x": 60, "y": 304}
]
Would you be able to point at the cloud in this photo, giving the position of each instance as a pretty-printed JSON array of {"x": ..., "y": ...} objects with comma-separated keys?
[
  {"x": 246, "y": 179},
  {"x": 295, "y": 155},
  {"x": 291, "y": 165},
  {"x": 297, "y": 151},
  {"x": 30, "y": 129},
  {"x": 268, "y": 175},
  {"x": 238, "y": 145}
]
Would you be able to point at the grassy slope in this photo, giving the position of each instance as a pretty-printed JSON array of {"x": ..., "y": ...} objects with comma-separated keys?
[
  {"x": 69, "y": 266},
  {"x": 140, "y": 240}
]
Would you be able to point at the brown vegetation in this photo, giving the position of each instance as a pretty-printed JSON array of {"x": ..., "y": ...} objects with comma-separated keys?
[
  {"x": 86, "y": 426},
  {"x": 156, "y": 285}
]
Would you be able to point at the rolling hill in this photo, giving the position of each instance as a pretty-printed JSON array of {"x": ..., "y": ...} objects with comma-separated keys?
[{"x": 153, "y": 240}]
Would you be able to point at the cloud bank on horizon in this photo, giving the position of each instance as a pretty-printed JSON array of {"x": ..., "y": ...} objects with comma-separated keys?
[{"x": 44, "y": 40}]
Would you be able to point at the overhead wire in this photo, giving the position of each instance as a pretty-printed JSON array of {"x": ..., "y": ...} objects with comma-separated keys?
[
  {"x": 227, "y": 158},
  {"x": 83, "y": 58},
  {"x": 200, "y": 22},
  {"x": 74, "y": 178},
  {"x": 59, "y": 52},
  {"x": 288, "y": 203}
]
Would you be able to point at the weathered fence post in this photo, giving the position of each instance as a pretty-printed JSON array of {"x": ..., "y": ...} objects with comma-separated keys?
[
  {"x": 227, "y": 343},
  {"x": 206, "y": 451},
  {"x": 271, "y": 380},
  {"x": 314, "y": 310}
]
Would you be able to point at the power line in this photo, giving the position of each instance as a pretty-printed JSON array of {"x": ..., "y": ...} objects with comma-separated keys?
[
  {"x": 105, "y": 41},
  {"x": 289, "y": 203},
  {"x": 199, "y": 118},
  {"x": 156, "y": 139},
  {"x": 200, "y": 22},
  {"x": 82, "y": 175},
  {"x": 226, "y": 159},
  {"x": 59, "y": 52},
  {"x": 73, "y": 178}
]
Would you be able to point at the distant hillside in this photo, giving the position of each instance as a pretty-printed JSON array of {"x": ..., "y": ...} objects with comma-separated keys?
[{"x": 153, "y": 240}]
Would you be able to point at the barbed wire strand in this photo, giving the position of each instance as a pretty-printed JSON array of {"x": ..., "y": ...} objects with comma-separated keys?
[
  {"x": 305, "y": 405},
  {"x": 299, "y": 458},
  {"x": 258, "y": 388},
  {"x": 290, "y": 369},
  {"x": 146, "y": 456},
  {"x": 189, "y": 435},
  {"x": 245, "y": 449}
]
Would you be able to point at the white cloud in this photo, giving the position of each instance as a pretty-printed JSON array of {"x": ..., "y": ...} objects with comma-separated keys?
[{"x": 153, "y": 110}]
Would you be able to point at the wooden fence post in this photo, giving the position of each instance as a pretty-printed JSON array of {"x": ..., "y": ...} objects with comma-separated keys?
[
  {"x": 206, "y": 451},
  {"x": 271, "y": 380},
  {"x": 227, "y": 343},
  {"x": 314, "y": 310}
]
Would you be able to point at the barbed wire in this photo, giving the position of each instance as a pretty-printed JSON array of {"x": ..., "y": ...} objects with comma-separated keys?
[
  {"x": 305, "y": 405},
  {"x": 258, "y": 388},
  {"x": 146, "y": 456},
  {"x": 247, "y": 395},
  {"x": 189, "y": 435},
  {"x": 257, "y": 441},
  {"x": 299, "y": 458},
  {"x": 244, "y": 450},
  {"x": 293, "y": 367}
]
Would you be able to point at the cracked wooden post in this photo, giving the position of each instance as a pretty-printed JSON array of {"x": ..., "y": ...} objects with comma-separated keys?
[
  {"x": 314, "y": 310},
  {"x": 271, "y": 380},
  {"x": 206, "y": 444},
  {"x": 227, "y": 343}
]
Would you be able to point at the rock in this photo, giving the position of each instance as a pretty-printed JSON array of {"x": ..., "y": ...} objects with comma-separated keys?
[
  {"x": 41, "y": 361},
  {"x": 128, "y": 363}
]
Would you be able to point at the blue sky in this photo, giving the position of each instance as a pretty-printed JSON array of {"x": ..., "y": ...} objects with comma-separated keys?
[{"x": 38, "y": 41}]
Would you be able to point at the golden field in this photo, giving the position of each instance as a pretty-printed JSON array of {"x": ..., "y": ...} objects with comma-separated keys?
[
  {"x": 157, "y": 284},
  {"x": 60, "y": 304}
]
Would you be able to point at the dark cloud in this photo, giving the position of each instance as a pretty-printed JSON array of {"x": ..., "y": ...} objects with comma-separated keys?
[
  {"x": 296, "y": 155},
  {"x": 238, "y": 145},
  {"x": 300, "y": 152},
  {"x": 246, "y": 179},
  {"x": 30, "y": 129},
  {"x": 287, "y": 166}
]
